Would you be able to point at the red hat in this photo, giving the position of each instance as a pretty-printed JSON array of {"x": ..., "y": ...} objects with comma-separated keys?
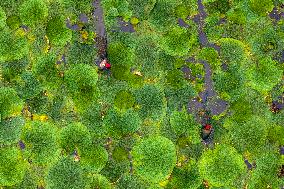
[
  {"x": 107, "y": 65},
  {"x": 207, "y": 127}
]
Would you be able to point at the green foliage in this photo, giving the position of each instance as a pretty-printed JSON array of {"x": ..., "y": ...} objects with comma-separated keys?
[
  {"x": 12, "y": 47},
  {"x": 186, "y": 8},
  {"x": 41, "y": 143},
  {"x": 2, "y": 18},
  {"x": 33, "y": 12},
  {"x": 82, "y": 6},
  {"x": 261, "y": 7},
  {"x": 74, "y": 136},
  {"x": 122, "y": 123},
  {"x": 234, "y": 29},
  {"x": 131, "y": 181},
  {"x": 12, "y": 166},
  {"x": 128, "y": 127},
  {"x": 57, "y": 108},
  {"x": 12, "y": 70},
  {"x": 230, "y": 83},
  {"x": 56, "y": 8},
  {"x": 81, "y": 80},
  {"x": 10, "y": 103},
  {"x": 57, "y": 32},
  {"x": 185, "y": 177},
  {"x": 121, "y": 57},
  {"x": 268, "y": 41},
  {"x": 92, "y": 118},
  {"x": 46, "y": 71},
  {"x": 81, "y": 53},
  {"x": 142, "y": 8},
  {"x": 265, "y": 173},
  {"x": 175, "y": 79},
  {"x": 251, "y": 135},
  {"x": 65, "y": 174},
  {"x": 177, "y": 41},
  {"x": 109, "y": 87},
  {"x": 184, "y": 124},
  {"x": 275, "y": 134},
  {"x": 237, "y": 15},
  {"x": 211, "y": 56},
  {"x": 147, "y": 56},
  {"x": 150, "y": 100},
  {"x": 242, "y": 110},
  {"x": 162, "y": 16},
  {"x": 99, "y": 181},
  {"x": 221, "y": 166},
  {"x": 114, "y": 8},
  {"x": 179, "y": 98},
  {"x": 10, "y": 6},
  {"x": 154, "y": 158},
  {"x": 29, "y": 181},
  {"x": 264, "y": 74},
  {"x": 232, "y": 50},
  {"x": 124, "y": 100},
  {"x": 120, "y": 154},
  {"x": 29, "y": 87},
  {"x": 10, "y": 130},
  {"x": 120, "y": 54},
  {"x": 93, "y": 158},
  {"x": 13, "y": 22},
  {"x": 218, "y": 6},
  {"x": 114, "y": 170},
  {"x": 38, "y": 103},
  {"x": 121, "y": 72}
]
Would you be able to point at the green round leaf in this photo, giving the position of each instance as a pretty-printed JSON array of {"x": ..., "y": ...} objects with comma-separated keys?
[
  {"x": 10, "y": 103},
  {"x": 2, "y": 18},
  {"x": 33, "y": 12},
  {"x": 65, "y": 174},
  {"x": 154, "y": 158},
  {"x": 40, "y": 139},
  {"x": 124, "y": 100},
  {"x": 12, "y": 166},
  {"x": 93, "y": 158},
  {"x": 10, "y": 130},
  {"x": 57, "y": 32},
  {"x": 73, "y": 136},
  {"x": 221, "y": 166}
]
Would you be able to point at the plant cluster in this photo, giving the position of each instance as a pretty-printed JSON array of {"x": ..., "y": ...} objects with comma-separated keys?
[{"x": 192, "y": 97}]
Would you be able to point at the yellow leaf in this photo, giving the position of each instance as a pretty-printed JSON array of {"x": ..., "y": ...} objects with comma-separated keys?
[
  {"x": 138, "y": 73},
  {"x": 20, "y": 32},
  {"x": 134, "y": 21},
  {"x": 47, "y": 48},
  {"x": 84, "y": 35},
  {"x": 40, "y": 117},
  {"x": 163, "y": 183}
]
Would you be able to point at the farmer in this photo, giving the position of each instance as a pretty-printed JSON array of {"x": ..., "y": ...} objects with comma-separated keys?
[
  {"x": 104, "y": 65},
  {"x": 207, "y": 133}
]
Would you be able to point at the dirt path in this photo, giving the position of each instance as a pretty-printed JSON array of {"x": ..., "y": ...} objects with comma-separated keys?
[
  {"x": 101, "y": 38},
  {"x": 98, "y": 18},
  {"x": 209, "y": 98},
  {"x": 210, "y": 104}
]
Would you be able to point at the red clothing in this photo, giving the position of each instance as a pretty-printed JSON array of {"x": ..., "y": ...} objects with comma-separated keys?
[
  {"x": 107, "y": 65},
  {"x": 207, "y": 127}
]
